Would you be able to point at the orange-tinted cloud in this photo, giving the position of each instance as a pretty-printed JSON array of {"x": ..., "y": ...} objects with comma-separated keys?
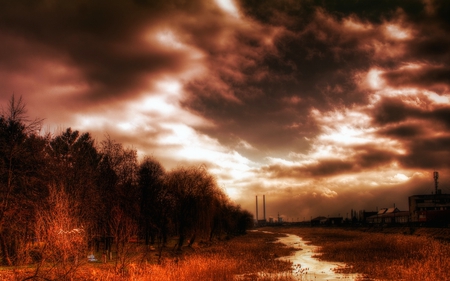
[{"x": 315, "y": 103}]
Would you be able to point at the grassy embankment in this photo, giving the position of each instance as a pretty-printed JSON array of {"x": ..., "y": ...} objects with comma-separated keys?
[
  {"x": 243, "y": 256},
  {"x": 394, "y": 254}
]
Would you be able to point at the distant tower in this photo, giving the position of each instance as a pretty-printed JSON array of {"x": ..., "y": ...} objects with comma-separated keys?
[
  {"x": 264, "y": 206},
  {"x": 436, "y": 177},
  {"x": 256, "y": 207}
]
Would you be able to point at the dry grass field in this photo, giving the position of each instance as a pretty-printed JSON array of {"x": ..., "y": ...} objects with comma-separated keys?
[
  {"x": 378, "y": 256},
  {"x": 249, "y": 257},
  {"x": 383, "y": 256}
]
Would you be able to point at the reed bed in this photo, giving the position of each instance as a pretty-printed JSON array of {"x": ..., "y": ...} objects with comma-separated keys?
[
  {"x": 381, "y": 256},
  {"x": 249, "y": 257}
]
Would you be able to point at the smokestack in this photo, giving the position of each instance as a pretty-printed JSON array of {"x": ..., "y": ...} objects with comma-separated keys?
[
  {"x": 436, "y": 177},
  {"x": 264, "y": 206},
  {"x": 256, "y": 207}
]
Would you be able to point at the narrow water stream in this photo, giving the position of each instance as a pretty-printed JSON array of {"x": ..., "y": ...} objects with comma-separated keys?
[{"x": 308, "y": 268}]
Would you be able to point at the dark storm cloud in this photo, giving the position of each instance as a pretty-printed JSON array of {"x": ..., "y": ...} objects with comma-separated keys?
[
  {"x": 396, "y": 110},
  {"x": 364, "y": 157},
  {"x": 303, "y": 68},
  {"x": 391, "y": 110},
  {"x": 104, "y": 40},
  {"x": 330, "y": 167},
  {"x": 371, "y": 156},
  {"x": 317, "y": 57},
  {"x": 428, "y": 50},
  {"x": 430, "y": 77},
  {"x": 427, "y": 153},
  {"x": 374, "y": 11},
  {"x": 323, "y": 168},
  {"x": 442, "y": 114},
  {"x": 310, "y": 57},
  {"x": 431, "y": 44},
  {"x": 422, "y": 132},
  {"x": 403, "y": 131}
]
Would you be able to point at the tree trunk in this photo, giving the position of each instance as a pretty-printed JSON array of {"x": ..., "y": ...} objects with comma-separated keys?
[{"x": 6, "y": 260}]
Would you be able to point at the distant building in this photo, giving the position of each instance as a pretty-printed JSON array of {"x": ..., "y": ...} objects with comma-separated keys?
[
  {"x": 363, "y": 215},
  {"x": 334, "y": 220},
  {"x": 430, "y": 208},
  {"x": 318, "y": 220},
  {"x": 389, "y": 216},
  {"x": 261, "y": 222}
]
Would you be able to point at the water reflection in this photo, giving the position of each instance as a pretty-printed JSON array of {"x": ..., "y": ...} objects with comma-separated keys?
[{"x": 308, "y": 268}]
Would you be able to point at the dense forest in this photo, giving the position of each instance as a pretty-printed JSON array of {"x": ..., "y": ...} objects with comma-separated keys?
[{"x": 64, "y": 194}]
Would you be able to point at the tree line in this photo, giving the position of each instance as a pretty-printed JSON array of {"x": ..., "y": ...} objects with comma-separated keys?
[{"x": 64, "y": 193}]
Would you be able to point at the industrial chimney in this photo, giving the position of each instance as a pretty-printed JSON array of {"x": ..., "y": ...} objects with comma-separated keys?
[
  {"x": 436, "y": 177},
  {"x": 264, "y": 206},
  {"x": 256, "y": 207}
]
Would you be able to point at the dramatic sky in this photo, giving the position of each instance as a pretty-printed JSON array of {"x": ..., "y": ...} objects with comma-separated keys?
[{"x": 323, "y": 106}]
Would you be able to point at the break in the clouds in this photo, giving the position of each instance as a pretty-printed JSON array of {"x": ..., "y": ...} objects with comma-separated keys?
[{"x": 323, "y": 106}]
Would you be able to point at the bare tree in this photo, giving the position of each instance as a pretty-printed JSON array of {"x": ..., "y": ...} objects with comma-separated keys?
[
  {"x": 16, "y": 111},
  {"x": 21, "y": 162},
  {"x": 61, "y": 238},
  {"x": 123, "y": 228}
]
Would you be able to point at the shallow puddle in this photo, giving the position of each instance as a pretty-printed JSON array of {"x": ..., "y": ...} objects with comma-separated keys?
[{"x": 308, "y": 268}]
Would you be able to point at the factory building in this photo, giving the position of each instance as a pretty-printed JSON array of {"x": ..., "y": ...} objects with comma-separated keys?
[{"x": 430, "y": 208}]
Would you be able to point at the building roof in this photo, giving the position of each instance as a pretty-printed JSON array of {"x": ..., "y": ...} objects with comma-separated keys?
[
  {"x": 391, "y": 215},
  {"x": 319, "y": 218},
  {"x": 388, "y": 211},
  {"x": 392, "y": 210}
]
